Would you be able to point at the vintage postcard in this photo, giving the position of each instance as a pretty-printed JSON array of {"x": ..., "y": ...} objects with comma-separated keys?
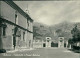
[{"x": 40, "y": 29}]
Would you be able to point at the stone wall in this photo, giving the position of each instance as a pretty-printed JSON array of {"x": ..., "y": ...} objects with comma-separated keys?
[
  {"x": 37, "y": 44},
  {"x": 7, "y": 12},
  {"x": 7, "y": 40}
]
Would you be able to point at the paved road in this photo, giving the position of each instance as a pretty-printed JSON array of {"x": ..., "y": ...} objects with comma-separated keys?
[{"x": 42, "y": 53}]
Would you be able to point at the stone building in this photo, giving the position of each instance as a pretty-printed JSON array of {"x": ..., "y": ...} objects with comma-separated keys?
[{"x": 16, "y": 27}]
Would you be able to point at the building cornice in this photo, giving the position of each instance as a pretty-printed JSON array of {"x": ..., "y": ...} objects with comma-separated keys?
[
  {"x": 16, "y": 7},
  {"x": 9, "y": 22}
]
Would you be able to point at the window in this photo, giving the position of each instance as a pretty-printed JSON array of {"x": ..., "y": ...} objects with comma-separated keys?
[
  {"x": 12, "y": 31},
  {"x": 16, "y": 17},
  {"x": 20, "y": 34},
  {"x": 4, "y": 29},
  {"x": 24, "y": 36},
  {"x": 28, "y": 22}
]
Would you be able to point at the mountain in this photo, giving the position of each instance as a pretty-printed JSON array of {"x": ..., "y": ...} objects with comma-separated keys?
[
  {"x": 40, "y": 31},
  {"x": 62, "y": 29}
]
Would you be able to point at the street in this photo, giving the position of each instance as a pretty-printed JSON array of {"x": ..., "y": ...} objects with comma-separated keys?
[{"x": 42, "y": 53}]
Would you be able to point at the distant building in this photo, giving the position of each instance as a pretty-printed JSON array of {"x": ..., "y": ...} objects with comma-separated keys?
[
  {"x": 16, "y": 27},
  {"x": 42, "y": 43}
]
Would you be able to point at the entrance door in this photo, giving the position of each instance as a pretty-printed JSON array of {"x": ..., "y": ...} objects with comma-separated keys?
[
  {"x": 14, "y": 41},
  {"x": 52, "y": 44},
  {"x": 44, "y": 45},
  {"x": 14, "y": 36},
  {"x": 29, "y": 43}
]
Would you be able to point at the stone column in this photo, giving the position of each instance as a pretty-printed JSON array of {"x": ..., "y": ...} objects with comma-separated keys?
[
  {"x": 61, "y": 42},
  {"x": 70, "y": 46},
  {"x": 31, "y": 40},
  {"x": 17, "y": 45},
  {"x": 27, "y": 39},
  {"x": 50, "y": 43},
  {"x": 66, "y": 44},
  {"x": 12, "y": 36},
  {"x": 58, "y": 44},
  {"x": 12, "y": 43},
  {"x": 46, "y": 43}
]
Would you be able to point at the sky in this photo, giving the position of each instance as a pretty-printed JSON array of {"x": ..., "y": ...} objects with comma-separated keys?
[{"x": 52, "y": 12}]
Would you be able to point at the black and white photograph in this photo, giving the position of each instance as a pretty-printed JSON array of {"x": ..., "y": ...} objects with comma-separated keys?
[{"x": 39, "y": 29}]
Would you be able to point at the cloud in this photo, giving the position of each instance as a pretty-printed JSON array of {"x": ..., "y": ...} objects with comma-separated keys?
[{"x": 52, "y": 12}]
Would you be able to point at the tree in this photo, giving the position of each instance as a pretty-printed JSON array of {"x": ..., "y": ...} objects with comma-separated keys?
[
  {"x": 75, "y": 34},
  {"x": 36, "y": 31},
  {"x": 59, "y": 32},
  {"x": 40, "y": 31},
  {"x": 70, "y": 41}
]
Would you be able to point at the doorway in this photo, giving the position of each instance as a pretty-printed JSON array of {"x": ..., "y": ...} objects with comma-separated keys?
[
  {"x": 44, "y": 45},
  {"x": 14, "y": 37}
]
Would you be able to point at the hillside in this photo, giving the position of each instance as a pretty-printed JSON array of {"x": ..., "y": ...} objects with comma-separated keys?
[
  {"x": 55, "y": 31},
  {"x": 62, "y": 29},
  {"x": 40, "y": 31}
]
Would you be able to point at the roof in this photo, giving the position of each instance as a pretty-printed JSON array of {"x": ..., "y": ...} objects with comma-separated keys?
[{"x": 16, "y": 7}]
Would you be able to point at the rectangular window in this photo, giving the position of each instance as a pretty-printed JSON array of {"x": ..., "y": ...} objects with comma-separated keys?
[
  {"x": 4, "y": 31},
  {"x": 28, "y": 22},
  {"x": 24, "y": 36},
  {"x": 4, "y": 28},
  {"x": 20, "y": 34},
  {"x": 16, "y": 18},
  {"x": 12, "y": 31}
]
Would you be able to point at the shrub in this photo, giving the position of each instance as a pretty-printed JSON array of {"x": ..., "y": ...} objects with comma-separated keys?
[{"x": 2, "y": 51}]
